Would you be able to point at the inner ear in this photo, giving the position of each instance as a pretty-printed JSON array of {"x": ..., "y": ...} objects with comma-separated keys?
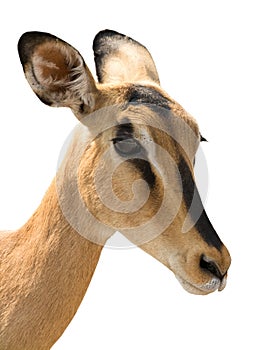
[
  {"x": 54, "y": 65},
  {"x": 119, "y": 58}
]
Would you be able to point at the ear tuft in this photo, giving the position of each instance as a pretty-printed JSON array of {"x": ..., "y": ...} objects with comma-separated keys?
[{"x": 119, "y": 58}]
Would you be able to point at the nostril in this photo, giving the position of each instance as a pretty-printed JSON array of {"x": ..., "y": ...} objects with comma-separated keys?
[{"x": 210, "y": 266}]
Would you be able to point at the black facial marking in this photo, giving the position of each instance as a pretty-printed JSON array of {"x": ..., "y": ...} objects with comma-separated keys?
[
  {"x": 195, "y": 207},
  {"x": 125, "y": 129},
  {"x": 144, "y": 167},
  {"x": 142, "y": 94}
]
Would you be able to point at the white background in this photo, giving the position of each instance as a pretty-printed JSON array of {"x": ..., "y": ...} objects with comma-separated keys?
[{"x": 211, "y": 58}]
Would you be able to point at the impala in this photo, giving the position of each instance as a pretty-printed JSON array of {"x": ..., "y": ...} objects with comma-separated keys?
[{"x": 128, "y": 167}]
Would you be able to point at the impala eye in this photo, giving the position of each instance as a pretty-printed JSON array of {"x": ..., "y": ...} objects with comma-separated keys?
[{"x": 126, "y": 147}]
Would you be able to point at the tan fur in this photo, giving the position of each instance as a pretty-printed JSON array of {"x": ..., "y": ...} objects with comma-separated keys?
[
  {"x": 140, "y": 69},
  {"x": 124, "y": 60},
  {"x": 46, "y": 266},
  {"x": 45, "y": 270}
]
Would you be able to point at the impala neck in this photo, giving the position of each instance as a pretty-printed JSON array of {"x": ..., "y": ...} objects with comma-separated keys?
[{"x": 48, "y": 269}]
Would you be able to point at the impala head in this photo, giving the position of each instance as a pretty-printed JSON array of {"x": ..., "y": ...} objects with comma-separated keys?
[{"x": 130, "y": 164}]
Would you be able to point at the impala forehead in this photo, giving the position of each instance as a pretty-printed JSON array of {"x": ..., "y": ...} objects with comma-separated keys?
[
  {"x": 160, "y": 102},
  {"x": 148, "y": 95},
  {"x": 150, "y": 109},
  {"x": 153, "y": 116}
]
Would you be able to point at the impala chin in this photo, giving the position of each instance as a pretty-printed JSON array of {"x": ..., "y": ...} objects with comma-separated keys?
[{"x": 210, "y": 286}]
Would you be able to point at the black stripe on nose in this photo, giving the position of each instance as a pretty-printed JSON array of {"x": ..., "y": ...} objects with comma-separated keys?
[
  {"x": 195, "y": 207},
  {"x": 144, "y": 167}
]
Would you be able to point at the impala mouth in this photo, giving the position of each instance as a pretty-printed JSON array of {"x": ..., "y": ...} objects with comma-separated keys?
[
  {"x": 211, "y": 286},
  {"x": 223, "y": 283}
]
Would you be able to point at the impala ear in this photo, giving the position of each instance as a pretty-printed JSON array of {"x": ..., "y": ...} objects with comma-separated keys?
[
  {"x": 56, "y": 71},
  {"x": 119, "y": 58}
]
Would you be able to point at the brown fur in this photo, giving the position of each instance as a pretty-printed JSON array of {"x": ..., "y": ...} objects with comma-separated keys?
[
  {"x": 46, "y": 266},
  {"x": 42, "y": 280}
]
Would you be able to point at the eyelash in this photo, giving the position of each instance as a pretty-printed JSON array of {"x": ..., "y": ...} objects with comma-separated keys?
[{"x": 118, "y": 139}]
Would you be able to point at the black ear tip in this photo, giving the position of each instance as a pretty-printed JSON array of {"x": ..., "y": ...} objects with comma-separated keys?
[
  {"x": 29, "y": 38},
  {"x": 23, "y": 44},
  {"x": 26, "y": 45},
  {"x": 107, "y": 33},
  {"x": 28, "y": 42},
  {"x": 104, "y": 35},
  {"x": 109, "y": 37},
  {"x": 35, "y": 36}
]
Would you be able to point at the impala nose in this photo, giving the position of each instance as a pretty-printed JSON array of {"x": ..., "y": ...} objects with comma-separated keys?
[
  {"x": 210, "y": 266},
  {"x": 214, "y": 270}
]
